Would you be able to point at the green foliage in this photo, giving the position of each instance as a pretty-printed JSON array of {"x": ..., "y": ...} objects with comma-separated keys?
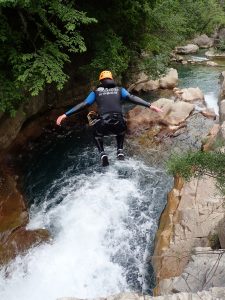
[
  {"x": 202, "y": 16},
  {"x": 197, "y": 164},
  {"x": 112, "y": 55},
  {"x": 36, "y": 38}
]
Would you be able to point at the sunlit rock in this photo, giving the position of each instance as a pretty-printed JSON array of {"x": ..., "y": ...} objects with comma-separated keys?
[
  {"x": 189, "y": 94},
  {"x": 194, "y": 209},
  {"x": 140, "y": 119},
  {"x": 205, "y": 270}
]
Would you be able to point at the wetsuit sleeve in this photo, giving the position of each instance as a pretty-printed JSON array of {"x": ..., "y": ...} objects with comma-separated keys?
[
  {"x": 134, "y": 99},
  {"x": 88, "y": 101},
  {"x": 90, "y": 98}
]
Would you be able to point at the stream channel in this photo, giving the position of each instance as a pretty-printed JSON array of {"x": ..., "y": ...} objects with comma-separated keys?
[{"x": 102, "y": 221}]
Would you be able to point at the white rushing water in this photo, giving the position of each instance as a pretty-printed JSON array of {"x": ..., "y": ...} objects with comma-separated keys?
[
  {"x": 102, "y": 225},
  {"x": 211, "y": 100}
]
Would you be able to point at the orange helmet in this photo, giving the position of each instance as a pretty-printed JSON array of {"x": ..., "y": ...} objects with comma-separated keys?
[{"x": 105, "y": 74}]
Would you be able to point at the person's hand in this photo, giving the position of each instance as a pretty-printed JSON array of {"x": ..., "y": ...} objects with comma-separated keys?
[
  {"x": 156, "y": 109},
  {"x": 60, "y": 119}
]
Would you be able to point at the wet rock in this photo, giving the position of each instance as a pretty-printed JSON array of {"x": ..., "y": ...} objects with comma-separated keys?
[
  {"x": 203, "y": 41},
  {"x": 19, "y": 241},
  {"x": 14, "y": 238},
  {"x": 188, "y": 49}
]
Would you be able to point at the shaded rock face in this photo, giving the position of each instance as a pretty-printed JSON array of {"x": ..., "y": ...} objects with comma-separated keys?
[
  {"x": 10, "y": 126},
  {"x": 194, "y": 209},
  {"x": 46, "y": 100},
  {"x": 14, "y": 238}
]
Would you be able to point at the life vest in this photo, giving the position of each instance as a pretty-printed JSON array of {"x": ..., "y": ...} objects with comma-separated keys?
[{"x": 108, "y": 100}]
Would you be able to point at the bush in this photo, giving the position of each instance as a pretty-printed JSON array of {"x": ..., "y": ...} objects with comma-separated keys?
[{"x": 198, "y": 164}]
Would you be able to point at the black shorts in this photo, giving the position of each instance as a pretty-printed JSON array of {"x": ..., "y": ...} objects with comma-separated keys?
[{"x": 110, "y": 124}]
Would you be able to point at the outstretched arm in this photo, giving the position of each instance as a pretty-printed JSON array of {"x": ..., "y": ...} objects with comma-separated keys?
[
  {"x": 137, "y": 100},
  {"x": 77, "y": 108}
]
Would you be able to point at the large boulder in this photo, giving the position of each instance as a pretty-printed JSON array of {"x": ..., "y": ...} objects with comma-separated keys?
[
  {"x": 189, "y": 94},
  {"x": 170, "y": 80},
  {"x": 145, "y": 84},
  {"x": 174, "y": 113},
  {"x": 203, "y": 41},
  {"x": 188, "y": 49}
]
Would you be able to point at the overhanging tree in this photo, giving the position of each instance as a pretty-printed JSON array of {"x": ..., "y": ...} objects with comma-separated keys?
[{"x": 36, "y": 38}]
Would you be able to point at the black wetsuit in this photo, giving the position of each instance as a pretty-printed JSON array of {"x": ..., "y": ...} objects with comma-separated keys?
[{"x": 109, "y": 99}]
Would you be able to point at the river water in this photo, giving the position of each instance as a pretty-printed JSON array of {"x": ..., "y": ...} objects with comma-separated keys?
[{"x": 102, "y": 220}]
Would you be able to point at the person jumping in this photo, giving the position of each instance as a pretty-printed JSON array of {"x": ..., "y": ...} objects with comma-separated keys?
[{"x": 109, "y": 120}]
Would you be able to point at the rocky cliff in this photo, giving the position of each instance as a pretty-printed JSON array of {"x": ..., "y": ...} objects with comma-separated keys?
[{"x": 190, "y": 226}]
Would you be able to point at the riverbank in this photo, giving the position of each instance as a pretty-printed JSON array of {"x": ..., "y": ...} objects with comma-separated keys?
[{"x": 191, "y": 226}]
